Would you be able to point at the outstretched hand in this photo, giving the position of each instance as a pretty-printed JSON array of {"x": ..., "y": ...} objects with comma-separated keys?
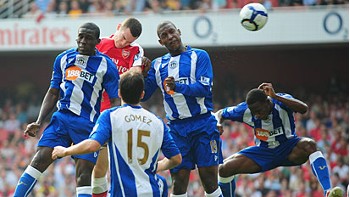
[
  {"x": 146, "y": 65},
  {"x": 268, "y": 89},
  {"x": 32, "y": 129}
]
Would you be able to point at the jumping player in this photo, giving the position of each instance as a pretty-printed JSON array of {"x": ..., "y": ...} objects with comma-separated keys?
[
  {"x": 78, "y": 79},
  {"x": 271, "y": 116},
  {"x": 185, "y": 77}
]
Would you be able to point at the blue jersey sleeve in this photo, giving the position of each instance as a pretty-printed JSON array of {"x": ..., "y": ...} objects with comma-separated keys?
[
  {"x": 111, "y": 79},
  {"x": 150, "y": 81},
  {"x": 235, "y": 113},
  {"x": 102, "y": 130},
  {"x": 283, "y": 106},
  {"x": 169, "y": 147},
  {"x": 204, "y": 77},
  {"x": 57, "y": 76}
]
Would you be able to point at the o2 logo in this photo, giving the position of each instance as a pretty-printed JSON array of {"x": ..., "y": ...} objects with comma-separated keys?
[
  {"x": 333, "y": 24},
  {"x": 203, "y": 28}
]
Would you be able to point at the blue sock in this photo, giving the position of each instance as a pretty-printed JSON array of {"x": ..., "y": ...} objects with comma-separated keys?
[
  {"x": 228, "y": 186},
  {"x": 320, "y": 169},
  {"x": 27, "y": 182},
  {"x": 84, "y": 191}
]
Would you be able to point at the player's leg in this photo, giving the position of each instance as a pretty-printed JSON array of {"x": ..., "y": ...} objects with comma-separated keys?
[
  {"x": 208, "y": 176},
  {"x": 84, "y": 163},
  {"x": 180, "y": 180},
  {"x": 83, "y": 177},
  {"x": 55, "y": 134},
  {"x": 99, "y": 178},
  {"x": 39, "y": 164},
  {"x": 235, "y": 164},
  {"x": 180, "y": 174},
  {"x": 307, "y": 149}
]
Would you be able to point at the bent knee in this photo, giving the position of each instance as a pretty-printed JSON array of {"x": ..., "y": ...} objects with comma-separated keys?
[{"x": 309, "y": 145}]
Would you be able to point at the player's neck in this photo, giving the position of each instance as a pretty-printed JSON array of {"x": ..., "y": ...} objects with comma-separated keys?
[{"x": 178, "y": 51}]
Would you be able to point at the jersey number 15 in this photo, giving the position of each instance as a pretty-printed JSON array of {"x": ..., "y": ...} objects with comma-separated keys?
[{"x": 140, "y": 143}]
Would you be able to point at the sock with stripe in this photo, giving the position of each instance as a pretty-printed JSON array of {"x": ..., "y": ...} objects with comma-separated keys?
[
  {"x": 27, "y": 181},
  {"x": 84, "y": 191},
  {"x": 320, "y": 169},
  {"x": 228, "y": 186}
]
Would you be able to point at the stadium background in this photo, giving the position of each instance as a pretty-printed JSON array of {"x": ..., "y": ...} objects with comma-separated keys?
[{"x": 313, "y": 70}]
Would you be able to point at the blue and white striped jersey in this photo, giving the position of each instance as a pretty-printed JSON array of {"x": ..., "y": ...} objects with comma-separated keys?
[
  {"x": 193, "y": 74},
  {"x": 135, "y": 137},
  {"x": 81, "y": 79},
  {"x": 278, "y": 128}
]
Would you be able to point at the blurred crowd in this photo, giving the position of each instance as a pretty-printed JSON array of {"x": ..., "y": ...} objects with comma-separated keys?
[
  {"x": 77, "y": 8},
  {"x": 327, "y": 122}
]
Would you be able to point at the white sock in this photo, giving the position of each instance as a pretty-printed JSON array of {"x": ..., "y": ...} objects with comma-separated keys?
[
  {"x": 99, "y": 185},
  {"x": 83, "y": 190},
  {"x": 33, "y": 172},
  {"x": 226, "y": 179},
  {"x": 180, "y": 195},
  {"x": 216, "y": 193}
]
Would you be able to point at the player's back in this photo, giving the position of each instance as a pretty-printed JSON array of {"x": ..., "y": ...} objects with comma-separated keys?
[{"x": 137, "y": 136}]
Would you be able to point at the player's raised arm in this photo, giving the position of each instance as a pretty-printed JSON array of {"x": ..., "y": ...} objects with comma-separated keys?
[{"x": 294, "y": 104}]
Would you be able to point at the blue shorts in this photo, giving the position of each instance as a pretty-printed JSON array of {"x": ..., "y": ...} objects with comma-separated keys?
[
  {"x": 198, "y": 141},
  {"x": 65, "y": 129},
  {"x": 270, "y": 158}
]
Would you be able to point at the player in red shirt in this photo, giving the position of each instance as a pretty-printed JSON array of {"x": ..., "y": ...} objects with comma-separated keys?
[{"x": 127, "y": 55}]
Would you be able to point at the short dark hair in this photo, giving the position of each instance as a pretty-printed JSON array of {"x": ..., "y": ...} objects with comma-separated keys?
[
  {"x": 164, "y": 23},
  {"x": 131, "y": 87},
  {"x": 93, "y": 27},
  {"x": 255, "y": 95},
  {"x": 134, "y": 25}
]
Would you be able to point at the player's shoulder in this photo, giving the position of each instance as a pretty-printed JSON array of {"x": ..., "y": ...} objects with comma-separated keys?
[
  {"x": 69, "y": 53},
  {"x": 241, "y": 108},
  {"x": 197, "y": 50}
]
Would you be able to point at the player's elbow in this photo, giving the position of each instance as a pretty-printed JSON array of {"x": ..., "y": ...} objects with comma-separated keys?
[
  {"x": 176, "y": 160},
  {"x": 94, "y": 146},
  {"x": 303, "y": 109}
]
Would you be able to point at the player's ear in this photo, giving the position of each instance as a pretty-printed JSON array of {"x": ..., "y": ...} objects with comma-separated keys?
[
  {"x": 142, "y": 94},
  {"x": 179, "y": 31},
  {"x": 119, "y": 94},
  {"x": 118, "y": 26},
  {"x": 160, "y": 42}
]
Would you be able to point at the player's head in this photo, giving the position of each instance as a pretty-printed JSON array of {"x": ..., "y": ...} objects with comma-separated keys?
[
  {"x": 127, "y": 32},
  {"x": 131, "y": 87},
  {"x": 258, "y": 103},
  {"x": 169, "y": 36},
  {"x": 88, "y": 38}
]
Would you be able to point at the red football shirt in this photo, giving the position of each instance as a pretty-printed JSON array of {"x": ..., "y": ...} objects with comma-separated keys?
[{"x": 124, "y": 58}]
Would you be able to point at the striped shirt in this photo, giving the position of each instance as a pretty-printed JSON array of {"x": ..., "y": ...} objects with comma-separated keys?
[
  {"x": 193, "y": 75},
  {"x": 81, "y": 79},
  {"x": 135, "y": 137},
  {"x": 278, "y": 128}
]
